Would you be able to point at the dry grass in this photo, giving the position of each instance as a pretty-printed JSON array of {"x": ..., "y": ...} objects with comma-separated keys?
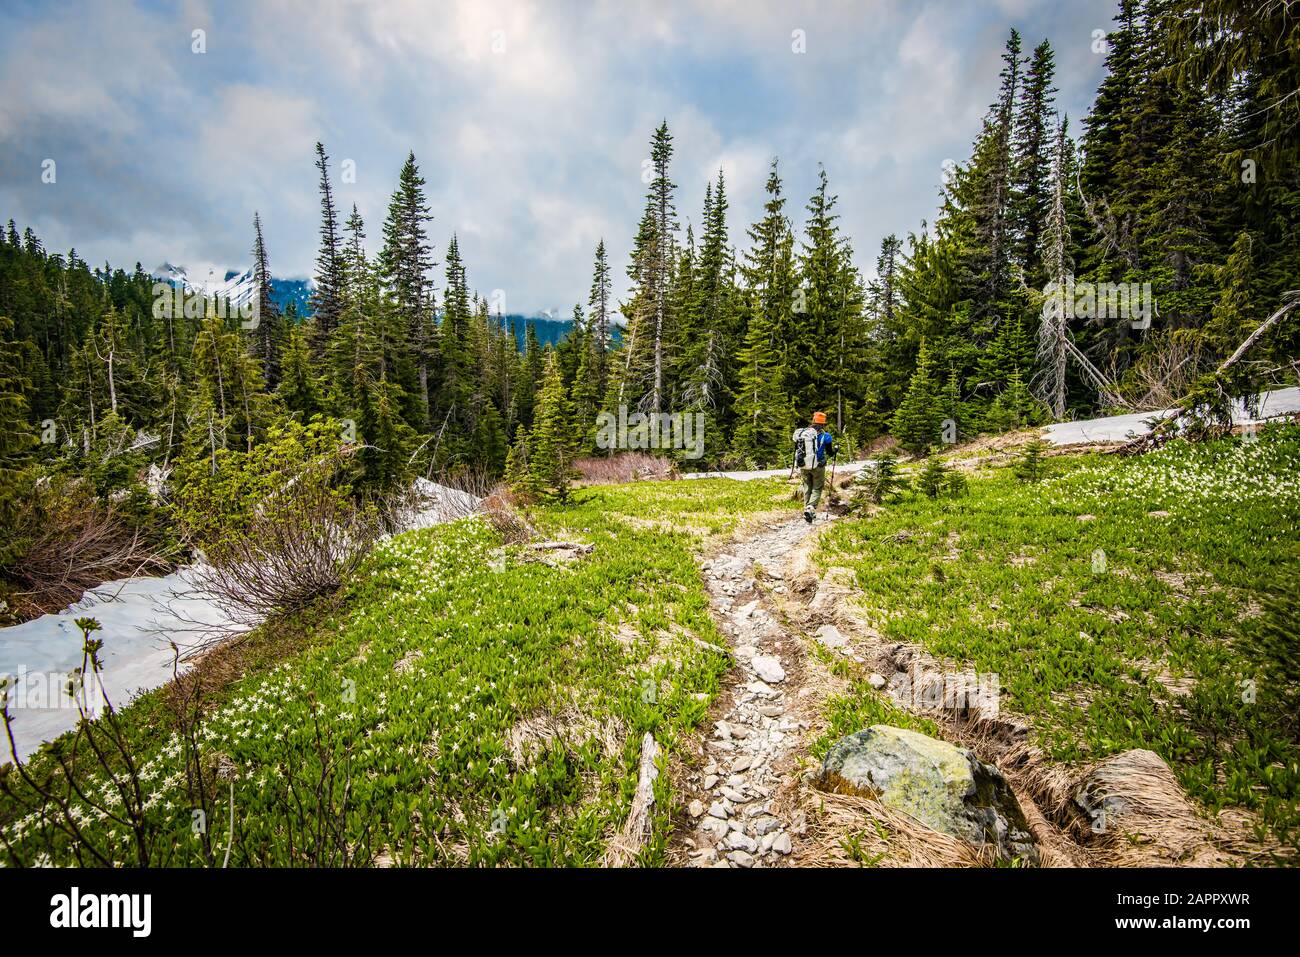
[
  {"x": 499, "y": 510},
  {"x": 623, "y": 467},
  {"x": 845, "y": 830}
]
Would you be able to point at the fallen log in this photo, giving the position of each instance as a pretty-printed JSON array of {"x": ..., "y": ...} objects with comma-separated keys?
[
  {"x": 625, "y": 846},
  {"x": 1163, "y": 428}
]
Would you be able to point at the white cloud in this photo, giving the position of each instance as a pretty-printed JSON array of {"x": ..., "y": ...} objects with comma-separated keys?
[{"x": 531, "y": 154}]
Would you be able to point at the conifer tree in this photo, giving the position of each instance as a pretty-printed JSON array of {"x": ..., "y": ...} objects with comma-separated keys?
[
  {"x": 16, "y": 438},
  {"x": 552, "y": 444},
  {"x": 650, "y": 315},
  {"x": 327, "y": 300},
  {"x": 1032, "y": 160},
  {"x": 299, "y": 388},
  {"x": 916, "y": 423},
  {"x": 404, "y": 264},
  {"x": 267, "y": 340},
  {"x": 764, "y": 414}
]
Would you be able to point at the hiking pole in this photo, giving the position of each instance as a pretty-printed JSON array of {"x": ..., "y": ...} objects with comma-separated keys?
[{"x": 832, "y": 489}]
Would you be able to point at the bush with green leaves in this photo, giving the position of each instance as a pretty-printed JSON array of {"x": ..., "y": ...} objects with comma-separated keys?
[{"x": 217, "y": 494}]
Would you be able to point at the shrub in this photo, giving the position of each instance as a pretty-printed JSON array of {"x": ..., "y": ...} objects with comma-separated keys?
[
  {"x": 933, "y": 477},
  {"x": 1031, "y": 467},
  {"x": 65, "y": 539},
  {"x": 294, "y": 550},
  {"x": 623, "y": 467},
  {"x": 880, "y": 481}
]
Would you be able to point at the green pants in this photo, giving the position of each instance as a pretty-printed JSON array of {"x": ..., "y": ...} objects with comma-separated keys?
[{"x": 811, "y": 482}]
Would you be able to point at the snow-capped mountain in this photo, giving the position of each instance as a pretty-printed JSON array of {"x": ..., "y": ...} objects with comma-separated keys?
[{"x": 237, "y": 287}]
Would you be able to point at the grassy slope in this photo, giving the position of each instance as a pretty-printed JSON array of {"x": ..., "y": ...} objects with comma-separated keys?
[
  {"x": 1115, "y": 632},
  {"x": 450, "y": 645},
  {"x": 446, "y": 644}
]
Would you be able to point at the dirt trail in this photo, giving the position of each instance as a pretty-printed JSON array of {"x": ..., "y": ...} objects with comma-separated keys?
[{"x": 757, "y": 735}]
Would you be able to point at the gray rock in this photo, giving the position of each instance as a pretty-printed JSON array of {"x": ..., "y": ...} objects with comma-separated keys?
[
  {"x": 740, "y": 841},
  {"x": 877, "y": 681},
  {"x": 741, "y": 859},
  {"x": 719, "y": 810},
  {"x": 782, "y": 844},
  {"x": 831, "y": 636},
  {"x": 714, "y": 828},
  {"x": 695, "y": 809},
  {"x": 768, "y": 668},
  {"x": 945, "y": 787}
]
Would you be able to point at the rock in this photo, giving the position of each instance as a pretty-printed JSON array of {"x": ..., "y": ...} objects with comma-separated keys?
[
  {"x": 745, "y": 652},
  {"x": 769, "y": 669},
  {"x": 710, "y": 782},
  {"x": 747, "y": 610},
  {"x": 731, "y": 794},
  {"x": 740, "y": 841},
  {"x": 877, "y": 681},
  {"x": 771, "y": 710},
  {"x": 945, "y": 787},
  {"x": 1158, "y": 513},
  {"x": 782, "y": 844},
  {"x": 719, "y": 810},
  {"x": 695, "y": 809},
  {"x": 831, "y": 636},
  {"x": 1087, "y": 518},
  {"x": 714, "y": 828},
  {"x": 742, "y": 763},
  {"x": 766, "y": 825},
  {"x": 741, "y": 859}
]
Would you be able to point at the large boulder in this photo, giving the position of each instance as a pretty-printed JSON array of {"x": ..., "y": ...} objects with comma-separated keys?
[{"x": 945, "y": 787}]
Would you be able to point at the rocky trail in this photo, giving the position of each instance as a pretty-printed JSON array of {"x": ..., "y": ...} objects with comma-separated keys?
[
  {"x": 755, "y": 797},
  {"x": 757, "y": 736}
]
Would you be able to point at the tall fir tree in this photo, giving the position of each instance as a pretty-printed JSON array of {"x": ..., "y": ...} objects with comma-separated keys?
[{"x": 327, "y": 300}]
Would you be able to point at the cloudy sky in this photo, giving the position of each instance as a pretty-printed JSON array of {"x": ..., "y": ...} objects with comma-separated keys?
[{"x": 530, "y": 121}]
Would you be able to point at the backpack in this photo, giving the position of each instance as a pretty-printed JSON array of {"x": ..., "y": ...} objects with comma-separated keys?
[{"x": 805, "y": 448}]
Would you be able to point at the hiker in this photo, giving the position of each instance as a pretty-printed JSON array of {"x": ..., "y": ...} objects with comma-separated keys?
[{"x": 811, "y": 447}]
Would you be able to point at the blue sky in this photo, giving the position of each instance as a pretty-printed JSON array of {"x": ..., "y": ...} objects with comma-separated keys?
[{"x": 530, "y": 121}]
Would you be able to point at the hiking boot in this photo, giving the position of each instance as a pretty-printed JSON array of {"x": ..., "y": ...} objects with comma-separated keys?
[{"x": 808, "y": 515}]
